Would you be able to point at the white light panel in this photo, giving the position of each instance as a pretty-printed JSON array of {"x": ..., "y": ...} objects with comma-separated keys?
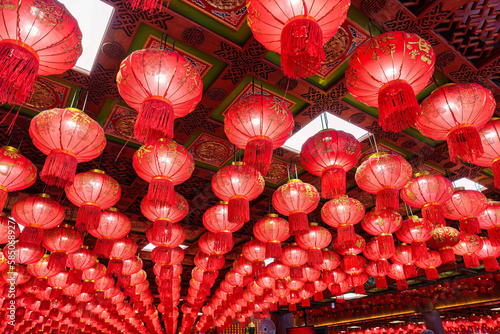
[{"x": 468, "y": 184}]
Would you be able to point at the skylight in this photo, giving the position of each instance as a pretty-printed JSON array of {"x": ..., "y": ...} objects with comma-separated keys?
[
  {"x": 93, "y": 17},
  {"x": 294, "y": 143},
  {"x": 268, "y": 261},
  {"x": 468, "y": 184},
  {"x": 352, "y": 295}
]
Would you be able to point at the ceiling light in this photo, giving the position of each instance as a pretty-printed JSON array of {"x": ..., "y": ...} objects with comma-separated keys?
[
  {"x": 149, "y": 247},
  {"x": 468, "y": 184},
  {"x": 93, "y": 17},
  {"x": 294, "y": 143},
  {"x": 354, "y": 327},
  {"x": 351, "y": 295},
  {"x": 496, "y": 309},
  {"x": 396, "y": 322},
  {"x": 268, "y": 261},
  {"x": 183, "y": 246}
]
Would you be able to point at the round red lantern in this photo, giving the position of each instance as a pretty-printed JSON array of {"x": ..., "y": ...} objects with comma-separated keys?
[
  {"x": 215, "y": 219},
  {"x": 358, "y": 282},
  {"x": 489, "y": 220},
  {"x": 296, "y": 200},
  {"x": 350, "y": 250},
  {"x": 167, "y": 244},
  {"x": 382, "y": 223},
  {"x": 444, "y": 238},
  {"x": 123, "y": 249},
  {"x": 255, "y": 251},
  {"x": 161, "y": 85},
  {"x": 19, "y": 275},
  {"x": 295, "y": 257},
  {"x": 467, "y": 247},
  {"x": 258, "y": 124},
  {"x": 92, "y": 274},
  {"x": 329, "y": 154},
  {"x": 296, "y": 31},
  {"x": 163, "y": 164},
  {"x": 330, "y": 261},
  {"x": 242, "y": 266},
  {"x": 112, "y": 225},
  {"x": 466, "y": 205},
  {"x": 430, "y": 265},
  {"x": 78, "y": 261},
  {"x": 343, "y": 213},
  {"x": 336, "y": 286},
  {"x": 24, "y": 254},
  {"x": 378, "y": 272},
  {"x": 92, "y": 192},
  {"x": 310, "y": 275},
  {"x": 16, "y": 172},
  {"x": 273, "y": 231},
  {"x": 238, "y": 184},
  {"x": 61, "y": 241},
  {"x": 279, "y": 272},
  {"x": 30, "y": 45},
  {"x": 490, "y": 139},
  {"x": 416, "y": 232},
  {"x": 429, "y": 192},
  {"x": 356, "y": 266},
  {"x": 404, "y": 257},
  {"x": 387, "y": 73},
  {"x": 314, "y": 241},
  {"x": 455, "y": 113},
  {"x": 36, "y": 214},
  {"x": 67, "y": 136},
  {"x": 488, "y": 253},
  {"x": 6, "y": 225},
  {"x": 397, "y": 273}
]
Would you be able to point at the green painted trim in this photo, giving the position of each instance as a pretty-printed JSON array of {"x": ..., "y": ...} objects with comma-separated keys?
[
  {"x": 192, "y": 138},
  {"x": 106, "y": 109},
  {"x": 433, "y": 165},
  {"x": 395, "y": 147}
]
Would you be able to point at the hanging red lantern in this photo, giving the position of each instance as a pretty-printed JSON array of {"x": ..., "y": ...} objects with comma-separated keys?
[
  {"x": 130, "y": 267},
  {"x": 238, "y": 184},
  {"x": 467, "y": 247},
  {"x": 258, "y": 124},
  {"x": 430, "y": 265},
  {"x": 340, "y": 286},
  {"x": 78, "y": 261},
  {"x": 30, "y": 45},
  {"x": 350, "y": 250},
  {"x": 279, "y": 272},
  {"x": 92, "y": 192},
  {"x": 488, "y": 253},
  {"x": 57, "y": 283},
  {"x": 310, "y": 275},
  {"x": 163, "y": 164},
  {"x": 358, "y": 282},
  {"x": 319, "y": 287},
  {"x": 112, "y": 226},
  {"x": 24, "y": 254},
  {"x": 443, "y": 239},
  {"x": 67, "y": 136},
  {"x": 255, "y": 252},
  {"x": 378, "y": 272},
  {"x": 90, "y": 275},
  {"x": 21, "y": 275},
  {"x": 215, "y": 219},
  {"x": 161, "y": 85},
  {"x": 330, "y": 261},
  {"x": 36, "y": 214},
  {"x": 123, "y": 249},
  {"x": 343, "y": 213},
  {"x": 382, "y": 223},
  {"x": 466, "y": 205},
  {"x": 273, "y": 231},
  {"x": 384, "y": 174},
  {"x": 455, "y": 113},
  {"x": 296, "y": 31},
  {"x": 490, "y": 139},
  {"x": 314, "y": 241},
  {"x": 387, "y": 73},
  {"x": 61, "y": 241},
  {"x": 295, "y": 257},
  {"x": 17, "y": 172},
  {"x": 242, "y": 266},
  {"x": 416, "y": 232},
  {"x": 429, "y": 192},
  {"x": 489, "y": 220},
  {"x": 404, "y": 257},
  {"x": 397, "y": 273},
  {"x": 296, "y": 200},
  {"x": 329, "y": 154}
]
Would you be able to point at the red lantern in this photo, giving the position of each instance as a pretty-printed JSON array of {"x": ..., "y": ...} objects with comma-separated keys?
[
  {"x": 279, "y": 272},
  {"x": 490, "y": 139},
  {"x": 343, "y": 213},
  {"x": 314, "y": 241},
  {"x": 384, "y": 174},
  {"x": 397, "y": 273},
  {"x": 443, "y": 239},
  {"x": 30, "y": 45},
  {"x": 78, "y": 261},
  {"x": 319, "y": 287},
  {"x": 238, "y": 184},
  {"x": 215, "y": 219},
  {"x": 112, "y": 226},
  {"x": 58, "y": 282},
  {"x": 19, "y": 275},
  {"x": 383, "y": 223},
  {"x": 36, "y": 214},
  {"x": 92, "y": 192},
  {"x": 466, "y": 205},
  {"x": 295, "y": 257},
  {"x": 467, "y": 247},
  {"x": 403, "y": 256},
  {"x": 258, "y": 124},
  {"x": 336, "y": 286},
  {"x": 455, "y": 113},
  {"x": 310, "y": 275},
  {"x": 488, "y": 253},
  {"x": 92, "y": 274},
  {"x": 296, "y": 31},
  {"x": 24, "y": 254},
  {"x": 167, "y": 251},
  {"x": 16, "y": 172},
  {"x": 255, "y": 251},
  {"x": 330, "y": 261},
  {"x": 429, "y": 192},
  {"x": 67, "y": 136},
  {"x": 296, "y": 200},
  {"x": 273, "y": 231},
  {"x": 329, "y": 154},
  {"x": 163, "y": 164},
  {"x": 378, "y": 272},
  {"x": 350, "y": 250},
  {"x": 132, "y": 266},
  {"x": 358, "y": 282},
  {"x": 489, "y": 220},
  {"x": 387, "y": 73},
  {"x": 123, "y": 249},
  {"x": 7, "y": 225},
  {"x": 161, "y": 85},
  {"x": 415, "y": 231},
  {"x": 430, "y": 264},
  {"x": 356, "y": 266},
  {"x": 61, "y": 241}
]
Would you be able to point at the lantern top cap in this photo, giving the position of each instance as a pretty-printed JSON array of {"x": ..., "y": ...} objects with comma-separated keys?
[
  {"x": 421, "y": 173},
  {"x": 313, "y": 224},
  {"x": 294, "y": 181},
  {"x": 377, "y": 154},
  {"x": 458, "y": 188},
  {"x": 11, "y": 149},
  {"x": 494, "y": 119},
  {"x": 222, "y": 202},
  {"x": 75, "y": 109},
  {"x": 413, "y": 217},
  {"x": 113, "y": 209},
  {"x": 44, "y": 195},
  {"x": 67, "y": 226},
  {"x": 237, "y": 163},
  {"x": 85, "y": 247},
  {"x": 97, "y": 171},
  {"x": 272, "y": 215},
  {"x": 326, "y": 249},
  {"x": 293, "y": 244}
]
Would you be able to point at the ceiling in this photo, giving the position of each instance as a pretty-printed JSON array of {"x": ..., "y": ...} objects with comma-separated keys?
[{"x": 213, "y": 34}]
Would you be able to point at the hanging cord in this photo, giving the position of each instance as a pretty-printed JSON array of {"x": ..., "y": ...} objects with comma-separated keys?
[
  {"x": 85, "y": 101},
  {"x": 322, "y": 123},
  {"x": 100, "y": 160},
  {"x": 10, "y": 137},
  {"x": 296, "y": 172},
  {"x": 375, "y": 142},
  {"x": 326, "y": 119},
  {"x": 261, "y": 109},
  {"x": 21, "y": 142},
  {"x": 409, "y": 211},
  {"x": 288, "y": 170}
]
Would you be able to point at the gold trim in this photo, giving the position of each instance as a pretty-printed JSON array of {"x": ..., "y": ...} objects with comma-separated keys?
[
  {"x": 237, "y": 163},
  {"x": 272, "y": 215},
  {"x": 11, "y": 149},
  {"x": 97, "y": 171},
  {"x": 421, "y": 173}
]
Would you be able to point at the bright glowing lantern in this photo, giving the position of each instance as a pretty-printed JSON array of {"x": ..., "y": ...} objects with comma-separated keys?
[
  {"x": 272, "y": 230},
  {"x": 314, "y": 241},
  {"x": 466, "y": 205},
  {"x": 343, "y": 213}
]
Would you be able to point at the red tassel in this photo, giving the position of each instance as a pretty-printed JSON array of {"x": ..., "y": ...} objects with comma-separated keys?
[
  {"x": 351, "y": 261},
  {"x": 333, "y": 182},
  {"x": 345, "y": 233},
  {"x": 318, "y": 296},
  {"x": 327, "y": 276},
  {"x": 55, "y": 294},
  {"x": 88, "y": 287},
  {"x": 496, "y": 172},
  {"x": 259, "y": 153},
  {"x": 209, "y": 276},
  {"x": 359, "y": 289},
  {"x": 490, "y": 264},
  {"x": 292, "y": 307},
  {"x": 89, "y": 215},
  {"x": 301, "y": 48},
  {"x": 402, "y": 284},
  {"x": 45, "y": 305},
  {"x": 273, "y": 249},
  {"x": 155, "y": 120},
  {"x": 163, "y": 255},
  {"x": 40, "y": 284},
  {"x": 3, "y": 198},
  {"x": 419, "y": 250},
  {"x": 31, "y": 235},
  {"x": 464, "y": 142},
  {"x": 494, "y": 235},
  {"x": 298, "y": 222},
  {"x": 447, "y": 255},
  {"x": 145, "y": 5},
  {"x": 471, "y": 260},
  {"x": 296, "y": 272},
  {"x": 74, "y": 276},
  {"x": 387, "y": 198},
  {"x": 340, "y": 299},
  {"x": 59, "y": 169},
  {"x": 258, "y": 267},
  {"x": 238, "y": 209},
  {"x": 161, "y": 191},
  {"x": 470, "y": 225},
  {"x": 432, "y": 274},
  {"x": 103, "y": 247},
  {"x": 309, "y": 287},
  {"x": 124, "y": 280},
  {"x": 306, "y": 302},
  {"x": 409, "y": 270},
  {"x": 57, "y": 261},
  {"x": 383, "y": 266},
  {"x": 167, "y": 272},
  {"x": 223, "y": 241},
  {"x": 386, "y": 246},
  {"x": 115, "y": 266},
  {"x": 381, "y": 282},
  {"x": 398, "y": 107},
  {"x": 162, "y": 227},
  {"x": 433, "y": 214},
  {"x": 315, "y": 256},
  {"x": 280, "y": 283},
  {"x": 274, "y": 307}
]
